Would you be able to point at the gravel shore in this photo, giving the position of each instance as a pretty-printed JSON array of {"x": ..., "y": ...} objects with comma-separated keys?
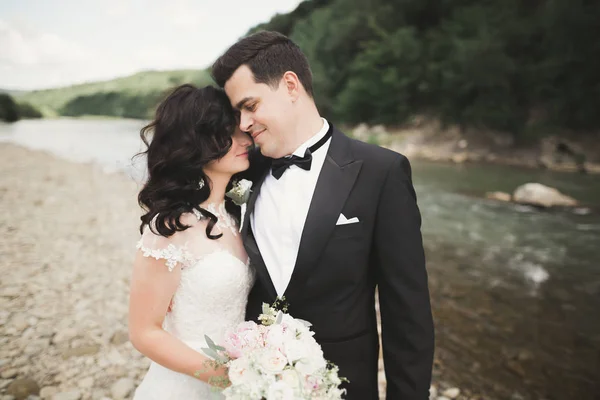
[
  {"x": 68, "y": 241},
  {"x": 68, "y": 236}
]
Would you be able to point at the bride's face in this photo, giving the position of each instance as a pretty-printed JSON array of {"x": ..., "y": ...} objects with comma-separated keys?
[{"x": 236, "y": 160}]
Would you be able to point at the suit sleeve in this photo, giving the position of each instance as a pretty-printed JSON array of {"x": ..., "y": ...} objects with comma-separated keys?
[{"x": 407, "y": 324}]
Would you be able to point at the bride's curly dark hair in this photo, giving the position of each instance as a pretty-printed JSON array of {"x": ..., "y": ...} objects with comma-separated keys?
[{"x": 192, "y": 127}]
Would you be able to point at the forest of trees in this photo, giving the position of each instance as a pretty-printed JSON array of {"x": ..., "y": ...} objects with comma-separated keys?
[
  {"x": 114, "y": 103},
  {"x": 11, "y": 111},
  {"x": 511, "y": 65}
]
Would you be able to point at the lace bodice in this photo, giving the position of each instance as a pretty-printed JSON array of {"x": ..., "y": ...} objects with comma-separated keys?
[{"x": 212, "y": 294}]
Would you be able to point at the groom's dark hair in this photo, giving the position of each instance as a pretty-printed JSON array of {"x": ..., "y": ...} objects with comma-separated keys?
[{"x": 268, "y": 55}]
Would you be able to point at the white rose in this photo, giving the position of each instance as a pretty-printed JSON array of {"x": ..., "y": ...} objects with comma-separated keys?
[
  {"x": 310, "y": 364},
  {"x": 296, "y": 349},
  {"x": 245, "y": 185},
  {"x": 291, "y": 378},
  {"x": 272, "y": 361},
  {"x": 241, "y": 372},
  {"x": 299, "y": 326},
  {"x": 276, "y": 336},
  {"x": 280, "y": 391}
]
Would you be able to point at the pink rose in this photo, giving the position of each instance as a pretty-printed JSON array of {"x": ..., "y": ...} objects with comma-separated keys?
[
  {"x": 233, "y": 345},
  {"x": 246, "y": 326},
  {"x": 245, "y": 335}
]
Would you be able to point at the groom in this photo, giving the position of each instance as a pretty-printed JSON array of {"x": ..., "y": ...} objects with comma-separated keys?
[{"x": 329, "y": 221}]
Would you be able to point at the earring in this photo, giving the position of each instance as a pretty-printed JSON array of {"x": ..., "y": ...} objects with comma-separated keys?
[{"x": 201, "y": 183}]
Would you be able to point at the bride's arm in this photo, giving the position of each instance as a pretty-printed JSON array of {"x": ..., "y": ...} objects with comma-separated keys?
[{"x": 152, "y": 288}]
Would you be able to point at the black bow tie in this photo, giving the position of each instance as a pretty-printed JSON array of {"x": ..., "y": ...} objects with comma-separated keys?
[{"x": 279, "y": 165}]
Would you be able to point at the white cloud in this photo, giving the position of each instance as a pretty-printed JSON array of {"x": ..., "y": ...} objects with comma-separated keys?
[
  {"x": 182, "y": 14},
  {"x": 33, "y": 59},
  {"x": 156, "y": 57},
  {"x": 95, "y": 39},
  {"x": 117, "y": 8},
  {"x": 26, "y": 47}
]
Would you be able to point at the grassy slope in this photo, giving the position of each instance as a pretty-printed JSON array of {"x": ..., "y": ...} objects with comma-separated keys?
[{"x": 48, "y": 101}]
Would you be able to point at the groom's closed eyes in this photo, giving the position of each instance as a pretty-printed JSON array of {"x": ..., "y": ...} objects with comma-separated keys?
[{"x": 247, "y": 103}]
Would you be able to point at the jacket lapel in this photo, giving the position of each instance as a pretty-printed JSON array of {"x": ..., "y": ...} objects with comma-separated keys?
[{"x": 335, "y": 182}]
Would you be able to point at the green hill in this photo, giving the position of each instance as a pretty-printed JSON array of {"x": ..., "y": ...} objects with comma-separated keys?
[{"x": 146, "y": 86}]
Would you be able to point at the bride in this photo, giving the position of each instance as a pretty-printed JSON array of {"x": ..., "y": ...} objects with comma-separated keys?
[{"x": 191, "y": 275}]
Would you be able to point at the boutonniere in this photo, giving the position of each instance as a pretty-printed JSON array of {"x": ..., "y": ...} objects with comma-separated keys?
[{"x": 239, "y": 194}]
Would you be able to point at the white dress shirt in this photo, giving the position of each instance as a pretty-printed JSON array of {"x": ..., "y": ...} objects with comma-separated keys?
[{"x": 281, "y": 209}]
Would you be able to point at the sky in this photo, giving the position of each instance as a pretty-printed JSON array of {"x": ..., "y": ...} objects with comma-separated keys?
[{"x": 52, "y": 43}]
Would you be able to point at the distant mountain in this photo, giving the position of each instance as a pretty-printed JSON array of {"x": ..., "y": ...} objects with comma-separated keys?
[
  {"x": 12, "y": 92},
  {"x": 51, "y": 101}
]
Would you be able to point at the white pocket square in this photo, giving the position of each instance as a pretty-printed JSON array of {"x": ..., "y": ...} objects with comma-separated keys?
[{"x": 342, "y": 220}]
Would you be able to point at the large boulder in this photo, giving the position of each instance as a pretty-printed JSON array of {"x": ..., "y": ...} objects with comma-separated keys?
[{"x": 543, "y": 196}]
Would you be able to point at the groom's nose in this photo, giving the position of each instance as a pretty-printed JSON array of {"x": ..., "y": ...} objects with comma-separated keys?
[{"x": 245, "y": 122}]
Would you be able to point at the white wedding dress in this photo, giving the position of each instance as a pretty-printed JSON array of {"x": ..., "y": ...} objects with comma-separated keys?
[{"x": 211, "y": 297}]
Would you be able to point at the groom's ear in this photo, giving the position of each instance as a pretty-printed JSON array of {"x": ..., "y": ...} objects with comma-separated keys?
[{"x": 292, "y": 85}]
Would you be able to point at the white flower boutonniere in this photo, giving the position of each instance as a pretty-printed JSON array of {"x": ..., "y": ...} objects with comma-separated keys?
[{"x": 240, "y": 193}]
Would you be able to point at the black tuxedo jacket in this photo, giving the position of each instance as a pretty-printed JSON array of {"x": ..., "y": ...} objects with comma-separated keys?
[{"x": 339, "y": 268}]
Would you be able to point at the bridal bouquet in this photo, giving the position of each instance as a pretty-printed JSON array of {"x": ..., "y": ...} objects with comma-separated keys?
[{"x": 277, "y": 359}]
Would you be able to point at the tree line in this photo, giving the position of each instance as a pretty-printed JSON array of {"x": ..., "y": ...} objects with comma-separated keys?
[{"x": 511, "y": 65}]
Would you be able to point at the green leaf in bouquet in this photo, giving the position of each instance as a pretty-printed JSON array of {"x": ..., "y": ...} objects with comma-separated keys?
[
  {"x": 213, "y": 354},
  {"x": 212, "y": 344},
  {"x": 210, "y": 352}
]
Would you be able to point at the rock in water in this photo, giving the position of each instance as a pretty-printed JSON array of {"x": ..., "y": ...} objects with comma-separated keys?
[
  {"x": 540, "y": 195},
  {"x": 500, "y": 196}
]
